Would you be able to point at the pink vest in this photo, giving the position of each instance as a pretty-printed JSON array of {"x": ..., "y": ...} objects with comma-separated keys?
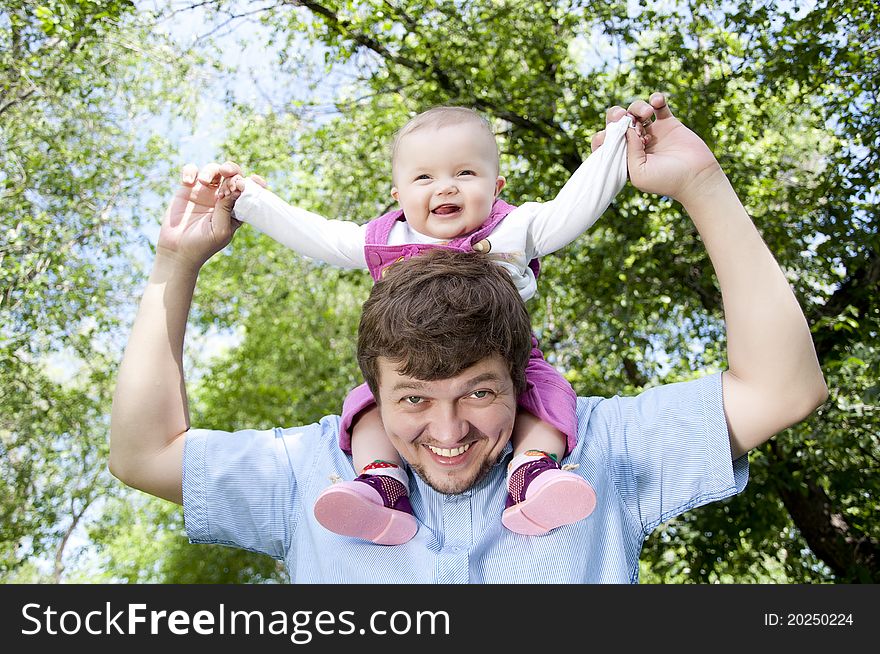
[{"x": 380, "y": 255}]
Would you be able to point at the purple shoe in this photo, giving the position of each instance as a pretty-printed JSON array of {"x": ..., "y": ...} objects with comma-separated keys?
[
  {"x": 542, "y": 497},
  {"x": 371, "y": 507}
]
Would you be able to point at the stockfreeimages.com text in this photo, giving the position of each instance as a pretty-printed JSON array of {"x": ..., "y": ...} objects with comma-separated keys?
[{"x": 300, "y": 626}]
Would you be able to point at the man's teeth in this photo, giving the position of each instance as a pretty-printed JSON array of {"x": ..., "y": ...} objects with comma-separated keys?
[{"x": 447, "y": 452}]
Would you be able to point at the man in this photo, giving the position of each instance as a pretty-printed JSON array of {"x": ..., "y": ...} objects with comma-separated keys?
[{"x": 649, "y": 458}]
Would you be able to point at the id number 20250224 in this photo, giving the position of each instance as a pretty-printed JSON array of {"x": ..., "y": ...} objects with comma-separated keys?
[{"x": 808, "y": 620}]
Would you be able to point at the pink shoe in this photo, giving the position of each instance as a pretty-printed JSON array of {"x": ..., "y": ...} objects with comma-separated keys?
[
  {"x": 543, "y": 497},
  {"x": 371, "y": 507}
]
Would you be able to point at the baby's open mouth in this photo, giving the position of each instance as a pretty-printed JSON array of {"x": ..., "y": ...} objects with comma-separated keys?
[{"x": 446, "y": 209}]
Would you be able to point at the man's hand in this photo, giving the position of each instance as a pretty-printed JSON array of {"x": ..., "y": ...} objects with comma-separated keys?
[
  {"x": 774, "y": 379},
  {"x": 664, "y": 156},
  {"x": 150, "y": 415},
  {"x": 197, "y": 224}
]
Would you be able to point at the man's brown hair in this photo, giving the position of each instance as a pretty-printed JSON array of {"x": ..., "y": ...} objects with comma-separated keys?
[{"x": 439, "y": 313}]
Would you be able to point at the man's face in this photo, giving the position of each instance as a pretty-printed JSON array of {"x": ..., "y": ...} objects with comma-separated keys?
[
  {"x": 452, "y": 430},
  {"x": 446, "y": 179}
]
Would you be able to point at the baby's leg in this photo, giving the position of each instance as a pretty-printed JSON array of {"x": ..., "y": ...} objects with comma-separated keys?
[
  {"x": 375, "y": 505},
  {"x": 532, "y": 433},
  {"x": 541, "y": 495},
  {"x": 369, "y": 443}
]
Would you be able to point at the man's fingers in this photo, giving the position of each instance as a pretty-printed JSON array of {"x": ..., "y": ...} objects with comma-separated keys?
[
  {"x": 209, "y": 174},
  {"x": 230, "y": 169},
  {"x": 614, "y": 114},
  {"x": 635, "y": 152},
  {"x": 660, "y": 106},
  {"x": 188, "y": 174},
  {"x": 642, "y": 111}
]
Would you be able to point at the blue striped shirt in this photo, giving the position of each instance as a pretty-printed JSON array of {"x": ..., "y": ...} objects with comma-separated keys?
[{"x": 649, "y": 458}]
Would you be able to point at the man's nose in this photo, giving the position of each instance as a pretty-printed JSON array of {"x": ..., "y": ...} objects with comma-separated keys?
[{"x": 448, "y": 425}]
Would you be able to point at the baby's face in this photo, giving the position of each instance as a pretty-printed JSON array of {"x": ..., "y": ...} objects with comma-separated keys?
[{"x": 446, "y": 179}]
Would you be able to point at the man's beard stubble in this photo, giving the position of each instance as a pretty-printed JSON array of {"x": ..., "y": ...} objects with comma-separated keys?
[{"x": 458, "y": 487}]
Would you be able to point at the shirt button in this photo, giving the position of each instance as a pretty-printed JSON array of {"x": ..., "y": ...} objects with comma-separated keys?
[{"x": 483, "y": 246}]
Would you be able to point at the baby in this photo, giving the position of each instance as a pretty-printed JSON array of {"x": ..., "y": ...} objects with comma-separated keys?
[{"x": 445, "y": 178}]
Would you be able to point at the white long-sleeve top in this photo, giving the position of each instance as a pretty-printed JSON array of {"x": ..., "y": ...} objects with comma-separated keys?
[{"x": 530, "y": 231}]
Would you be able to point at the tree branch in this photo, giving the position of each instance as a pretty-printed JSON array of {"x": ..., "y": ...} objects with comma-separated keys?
[
  {"x": 859, "y": 291},
  {"x": 343, "y": 28},
  {"x": 633, "y": 375},
  {"x": 570, "y": 154},
  {"x": 21, "y": 98},
  {"x": 852, "y": 557}
]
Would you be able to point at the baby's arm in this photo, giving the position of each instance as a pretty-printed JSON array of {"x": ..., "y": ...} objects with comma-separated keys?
[
  {"x": 338, "y": 242},
  {"x": 584, "y": 197}
]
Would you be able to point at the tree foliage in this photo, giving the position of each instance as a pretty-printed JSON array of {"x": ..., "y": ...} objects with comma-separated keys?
[
  {"x": 76, "y": 80},
  {"x": 786, "y": 96}
]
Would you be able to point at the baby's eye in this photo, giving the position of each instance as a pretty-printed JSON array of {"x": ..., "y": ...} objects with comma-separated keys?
[
  {"x": 413, "y": 399},
  {"x": 423, "y": 176},
  {"x": 467, "y": 172}
]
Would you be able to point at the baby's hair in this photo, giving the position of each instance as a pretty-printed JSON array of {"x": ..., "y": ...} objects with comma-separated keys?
[{"x": 443, "y": 116}]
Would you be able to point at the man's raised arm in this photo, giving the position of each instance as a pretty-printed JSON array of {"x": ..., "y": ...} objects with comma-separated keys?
[
  {"x": 150, "y": 413},
  {"x": 773, "y": 379}
]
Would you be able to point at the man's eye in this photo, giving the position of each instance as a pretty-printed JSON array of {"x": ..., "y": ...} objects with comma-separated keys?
[
  {"x": 413, "y": 399},
  {"x": 480, "y": 394}
]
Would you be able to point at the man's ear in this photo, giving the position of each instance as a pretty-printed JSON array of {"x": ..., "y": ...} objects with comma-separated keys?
[{"x": 499, "y": 184}]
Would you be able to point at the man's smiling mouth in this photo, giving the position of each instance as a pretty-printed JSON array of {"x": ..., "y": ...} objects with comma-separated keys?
[{"x": 447, "y": 452}]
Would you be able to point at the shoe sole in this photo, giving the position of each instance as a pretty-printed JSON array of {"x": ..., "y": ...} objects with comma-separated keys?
[
  {"x": 351, "y": 513},
  {"x": 559, "y": 501}
]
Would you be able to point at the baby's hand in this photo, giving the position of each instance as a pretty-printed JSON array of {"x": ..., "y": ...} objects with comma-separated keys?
[
  {"x": 230, "y": 187},
  {"x": 226, "y": 194},
  {"x": 232, "y": 184}
]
